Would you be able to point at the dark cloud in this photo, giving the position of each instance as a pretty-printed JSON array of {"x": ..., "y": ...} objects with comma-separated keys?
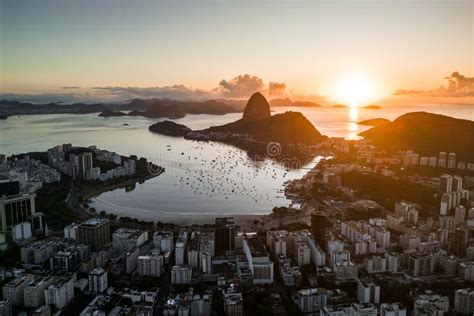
[
  {"x": 458, "y": 86},
  {"x": 241, "y": 86},
  {"x": 276, "y": 88}
]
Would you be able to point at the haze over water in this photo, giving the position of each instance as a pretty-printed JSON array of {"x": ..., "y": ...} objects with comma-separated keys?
[{"x": 201, "y": 178}]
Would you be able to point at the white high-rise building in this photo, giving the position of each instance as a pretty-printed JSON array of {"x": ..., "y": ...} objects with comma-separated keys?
[
  {"x": 442, "y": 159},
  {"x": 70, "y": 231},
  {"x": 375, "y": 263},
  {"x": 452, "y": 160},
  {"x": 277, "y": 242},
  {"x": 125, "y": 239},
  {"x": 193, "y": 249},
  {"x": 34, "y": 291},
  {"x": 258, "y": 260},
  {"x": 464, "y": 301},
  {"x": 85, "y": 166},
  {"x": 392, "y": 309},
  {"x": 151, "y": 264},
  {"x": 163, "y": 240},
  {"x": 180, "y": 248},
  {"x": 311, "y": 300},
  {"x": 445, "y": 183},
  {"x": 363, "y": 309},
  {"x": 98, "y": 280},
  {"x": 460, "y": 214},
  {"x": 14, "y": 289},
  {"x": 60, "y": 293},
  {"x": 431, "y": 304},
  {"x": 456, "y": 184},
  {"x": 206, "y": 252},
  {"x": 368, "y": 291},
  {"x": 181, "y": 275}
]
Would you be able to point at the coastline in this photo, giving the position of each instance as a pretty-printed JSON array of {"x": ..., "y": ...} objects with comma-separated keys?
[
  {"x": 110, "y": 187},
  {"x": 178, "y": 218}
]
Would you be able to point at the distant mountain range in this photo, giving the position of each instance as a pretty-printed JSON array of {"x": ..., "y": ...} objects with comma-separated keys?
[
  {"x": 426, "y": 134},
  {"x": 21, "y": 108},
  {"x": 206, "y": 107}
]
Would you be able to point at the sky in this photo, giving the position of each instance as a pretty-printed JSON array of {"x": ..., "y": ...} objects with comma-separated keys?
[{"x": 202, "y": 49}]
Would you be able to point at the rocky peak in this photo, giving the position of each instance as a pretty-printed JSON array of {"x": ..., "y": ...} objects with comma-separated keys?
[{"x": 257, "y": 107}]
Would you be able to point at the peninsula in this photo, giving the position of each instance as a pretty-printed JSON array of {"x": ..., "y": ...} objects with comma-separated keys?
[
  {"x": 295, "y": 135},
  {"x": 426, "y": 133}
]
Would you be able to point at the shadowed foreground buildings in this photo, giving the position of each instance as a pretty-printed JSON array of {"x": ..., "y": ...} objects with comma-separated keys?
[
  {"x": 18, "y": 217},
  {"x": 319, "y": 224},
  {"x": 224, "y": 236},
  {"x": 201, "y": 268},
  {"x": 94, "y": 232}
]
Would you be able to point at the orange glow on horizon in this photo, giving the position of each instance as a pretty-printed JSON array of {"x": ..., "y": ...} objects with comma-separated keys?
[{"x": 355, "y": 91}]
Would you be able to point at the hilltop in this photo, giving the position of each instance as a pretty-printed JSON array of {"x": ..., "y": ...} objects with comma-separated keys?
[
  {"x": 374, "y": 122},
  {"x": 285, "y": 128},
  {"x": 257, "y": 129},
  {"x": 169, "y": 128},
  {"x": 427, "y": 134}
]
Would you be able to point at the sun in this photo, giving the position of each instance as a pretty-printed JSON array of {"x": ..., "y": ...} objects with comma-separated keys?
[{"x": 354, "y": 91}]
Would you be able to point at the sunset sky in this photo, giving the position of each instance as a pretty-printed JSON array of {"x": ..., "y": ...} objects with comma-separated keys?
[{"x": 197, "y": 49}]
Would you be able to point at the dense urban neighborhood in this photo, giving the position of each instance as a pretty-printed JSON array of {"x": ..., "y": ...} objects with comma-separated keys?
[{"x": 355, "y": 240}]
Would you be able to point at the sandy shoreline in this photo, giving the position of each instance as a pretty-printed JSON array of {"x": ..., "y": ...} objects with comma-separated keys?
[{"x": 176, "y": 217}]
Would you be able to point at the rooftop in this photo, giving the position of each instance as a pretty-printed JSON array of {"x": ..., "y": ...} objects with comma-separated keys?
[
  {"x": 128, "y": 233},
  {"x": 256, "y": 246},
  {"x": 93, "y": 222}
]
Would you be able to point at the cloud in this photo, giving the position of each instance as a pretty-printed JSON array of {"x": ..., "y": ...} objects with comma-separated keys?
[
  {"x": 275, "y": 88},
  {"x": 409, "y": 92},
  {"x": 458, "y": 86},
  {"x": 241, "y": 86},
  {"x": 176, "y": 92},
  {"x": 50, "y": 97}
]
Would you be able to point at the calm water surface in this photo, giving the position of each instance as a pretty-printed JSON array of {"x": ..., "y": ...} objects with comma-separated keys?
[{"x": 201, "y": 178}]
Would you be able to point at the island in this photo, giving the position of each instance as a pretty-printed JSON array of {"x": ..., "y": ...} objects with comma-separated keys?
[
  {"x": 339, "y": 106},
  {"x": 374, "y": 122},
  {"x": 288, "y": 102},
  {"x": 169, "y": 128},
  {"x": 372, "y": 107},
  {"x": 110, "y": 113},
  {"x": 426, "y": 134}
]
